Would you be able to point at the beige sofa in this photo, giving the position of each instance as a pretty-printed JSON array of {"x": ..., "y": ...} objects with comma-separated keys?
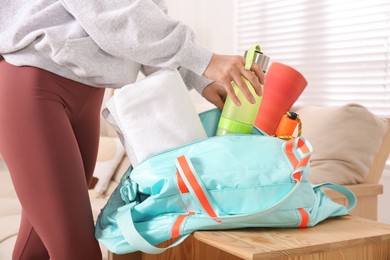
[{"x": 358, "y": 168}]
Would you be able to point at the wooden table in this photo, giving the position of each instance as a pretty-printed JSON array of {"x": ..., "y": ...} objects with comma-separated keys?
[{"x": 346, "y": 238}]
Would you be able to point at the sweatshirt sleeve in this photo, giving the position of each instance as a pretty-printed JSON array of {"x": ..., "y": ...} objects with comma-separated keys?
[
  {"x": 141, "y": 31},
  {"x": 191, "y": 79}
]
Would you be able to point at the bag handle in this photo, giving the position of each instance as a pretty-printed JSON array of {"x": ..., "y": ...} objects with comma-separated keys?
[
  {"x": 298, "y": 152},
  {"x": 203, "y": 198},
  {"x": 126, "y": 225},
  {"x": 195, "y": 186},
  {"x": 348, "y": 194}
]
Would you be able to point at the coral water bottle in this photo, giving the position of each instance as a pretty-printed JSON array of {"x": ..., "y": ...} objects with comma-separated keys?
[
  {"x": 283, "y": 85},
  {"x": 240, "y": 119}
]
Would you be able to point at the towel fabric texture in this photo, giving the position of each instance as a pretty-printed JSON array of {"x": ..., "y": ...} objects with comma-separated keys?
[{"x": 153, "y": 115}]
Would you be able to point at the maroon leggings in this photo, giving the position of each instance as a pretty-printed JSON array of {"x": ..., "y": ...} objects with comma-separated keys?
[{"x": 49, "y": 134}]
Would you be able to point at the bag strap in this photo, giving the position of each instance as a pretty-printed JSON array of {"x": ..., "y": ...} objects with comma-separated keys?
[
  {"x": 351, "y": 197},
  {"x": 298, "y": 152},
  {"x": 201, "y": 196},
  {"x": 195, "y": 186},
  {"x": 134, "y": 238}
]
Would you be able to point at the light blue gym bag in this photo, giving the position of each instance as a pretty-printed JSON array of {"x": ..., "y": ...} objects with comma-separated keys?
[{"x": 224, "y": 182}]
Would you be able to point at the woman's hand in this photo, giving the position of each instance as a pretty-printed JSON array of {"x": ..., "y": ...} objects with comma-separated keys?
[
  {"x": 215, "y": 93},
  {"x": 227, "y": 68}
]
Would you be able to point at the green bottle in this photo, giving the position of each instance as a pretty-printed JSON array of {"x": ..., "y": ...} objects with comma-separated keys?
[{"x": 239, "y": 119}]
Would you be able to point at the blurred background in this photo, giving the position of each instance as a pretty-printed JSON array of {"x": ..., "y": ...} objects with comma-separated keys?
[{"x": 342, "y": 47}]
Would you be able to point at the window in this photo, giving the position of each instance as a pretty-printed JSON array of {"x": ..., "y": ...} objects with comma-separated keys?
[{"x": 342, "y": 47}]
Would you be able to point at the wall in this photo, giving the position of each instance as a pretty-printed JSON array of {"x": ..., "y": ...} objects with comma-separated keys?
[{"x": 213, "y": 23}]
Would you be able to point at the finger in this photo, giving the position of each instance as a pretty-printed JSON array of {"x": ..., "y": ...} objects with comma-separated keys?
[
  {"x": 215, "y": 98},
  {"x": 254, "y": 80},
  {"x": 222, "y": 94},
  {"x": 230, "y": 92},
  {"x": 256, "y": 68},
  {"x": 244, "y": 89},
  {"x": 221, "y": 98},
  {"x": 218, "y": 102}
]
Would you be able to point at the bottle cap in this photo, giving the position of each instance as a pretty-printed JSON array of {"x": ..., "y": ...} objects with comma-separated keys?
[
  {"x": 260, "y": 59},
  {"x": 292, "y": 115}
]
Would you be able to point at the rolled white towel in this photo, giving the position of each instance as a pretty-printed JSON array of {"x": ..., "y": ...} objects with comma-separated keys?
[{"x": 153, "y": 115}]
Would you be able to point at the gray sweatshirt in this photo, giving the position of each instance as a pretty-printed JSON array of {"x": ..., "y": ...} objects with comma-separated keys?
[{"x": 100, "y": 43}]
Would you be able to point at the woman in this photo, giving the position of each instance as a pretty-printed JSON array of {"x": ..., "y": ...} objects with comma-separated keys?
[{"x": 58, "y": 56}]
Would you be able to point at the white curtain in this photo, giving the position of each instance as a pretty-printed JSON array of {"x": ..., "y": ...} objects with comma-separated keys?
[{"x": 342, "y": 47}]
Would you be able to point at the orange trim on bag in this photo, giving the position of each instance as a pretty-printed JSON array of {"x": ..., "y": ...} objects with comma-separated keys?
[
  {"x": 305, "y": 218},
  {"x": 303, "y": 162},
  {"x": 290, "y": 153},
  {"x": 180, "y": 183},
  {"x": 196, "y": 187},
  {"x": 176, "y": 226},
  {"x": 302, "y": 145},
  {"x": 297, "y": 176}
]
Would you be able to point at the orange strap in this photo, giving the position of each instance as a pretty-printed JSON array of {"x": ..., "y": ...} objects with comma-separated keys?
[
  {"x": 298, "y": 175},
  {"x": 182, "y": 186},
  {"x": 297, "y": 164},
  {"x": 304, "y": 217},
  {"x": 289, "y": 152},
  {"x": 195, "y": 186},
  {"x": 303, "y": 149},
  {"x": 302, "y": 146},
  {"x": 175, "y": 233}
]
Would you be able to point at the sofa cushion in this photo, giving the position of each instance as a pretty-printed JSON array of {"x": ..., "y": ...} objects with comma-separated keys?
[{"x": 345, "y": 140}]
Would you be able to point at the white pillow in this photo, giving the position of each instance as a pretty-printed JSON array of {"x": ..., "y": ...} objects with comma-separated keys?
[{"x": 111, "y": 153}]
